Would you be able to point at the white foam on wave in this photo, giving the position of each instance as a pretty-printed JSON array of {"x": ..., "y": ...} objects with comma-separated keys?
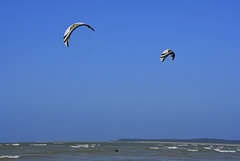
[
  {"x": 225, "y": 151},
  {"x": 180, "y": 145},
  {"x": 9, "y": 157},
  {"x": 92, "y": 145},
  {"x": 38, "y": 144},
  {"x": 207, "y": 148},
  {"x": 80, "y": 146},
  {"x": 74, "y": 146},
  {"x": 14, "y": 144},
  {"x": 192, "y": 150},
  {"x": 172, "y": 147},
  {"x": 154, "y": 148}
]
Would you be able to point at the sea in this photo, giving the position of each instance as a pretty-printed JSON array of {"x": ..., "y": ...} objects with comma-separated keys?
[{"x": 120, "y": 151}]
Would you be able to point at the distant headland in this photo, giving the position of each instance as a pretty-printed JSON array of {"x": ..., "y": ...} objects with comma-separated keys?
[{"x": 200, "y": 140}]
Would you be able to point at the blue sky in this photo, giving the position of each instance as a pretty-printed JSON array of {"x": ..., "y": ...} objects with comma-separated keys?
[{"x": 110, "y": 84}]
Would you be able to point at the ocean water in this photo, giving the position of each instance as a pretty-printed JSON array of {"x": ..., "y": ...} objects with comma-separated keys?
[{"x": 129, "y": 151}]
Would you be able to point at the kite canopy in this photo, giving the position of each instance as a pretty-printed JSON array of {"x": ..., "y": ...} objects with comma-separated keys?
[
  {"x": 166, "y": 53},
  {"x": 70, "y": 29}
]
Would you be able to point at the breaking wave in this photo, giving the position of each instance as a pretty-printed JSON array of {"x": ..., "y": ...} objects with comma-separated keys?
[
  {"x": 14, "y": 144},
  {"x": 207, "y": 148},
  {"x": 192, "y": 150},
  {"x": 80, "y": 146},
  {"x": 154, "y": 148},
  {"x": 38, "y": 144},
  {"x": 9, "y": 157},
  {"x": 225, "y": 151}
]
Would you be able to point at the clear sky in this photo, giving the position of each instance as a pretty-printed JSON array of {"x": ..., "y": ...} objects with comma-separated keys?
[{"x": 110, "y": 84}]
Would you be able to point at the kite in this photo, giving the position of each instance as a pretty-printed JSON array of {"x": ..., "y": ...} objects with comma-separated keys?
[
  {"x": 166, "y": 53},
  {"x": 71, "y": 28}
]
